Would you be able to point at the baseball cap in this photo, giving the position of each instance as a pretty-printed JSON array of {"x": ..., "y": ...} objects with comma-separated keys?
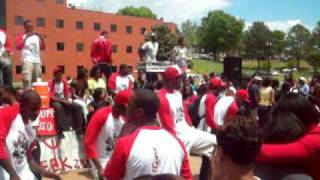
[
  {"x": 216, "y": 82},
  {"x": 243, "y": 94},
  {"x": 257, "y": 78},
  {"x": 123, "y": 97},
  {"x": 302, "y": 79},
  {"x": 172, "y": 72},
  {"x": 57, "y": 70}
]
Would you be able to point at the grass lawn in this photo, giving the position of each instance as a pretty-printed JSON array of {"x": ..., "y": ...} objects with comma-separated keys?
[{"x": 250, "y": 66}]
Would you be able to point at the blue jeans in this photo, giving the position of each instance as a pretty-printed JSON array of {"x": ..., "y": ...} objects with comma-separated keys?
[{"x": 5, "y": 71}]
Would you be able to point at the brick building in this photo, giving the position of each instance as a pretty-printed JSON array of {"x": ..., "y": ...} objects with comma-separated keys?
[{"x": 70, "y": 32}]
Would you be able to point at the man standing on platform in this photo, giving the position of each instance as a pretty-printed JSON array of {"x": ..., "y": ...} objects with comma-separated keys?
[
  {"x": 5, "y": 62},
  {"x": 150, "y": 49},
  {"x": 101, "y": 53},
  {"x": 30, "y": 43}
]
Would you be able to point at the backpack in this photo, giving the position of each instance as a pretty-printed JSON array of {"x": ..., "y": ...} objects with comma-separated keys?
[{"x": 193, "y": 110}]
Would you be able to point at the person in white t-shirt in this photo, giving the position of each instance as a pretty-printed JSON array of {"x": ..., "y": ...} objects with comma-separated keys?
[
  {"x": 120, "y": 81},
  {"x": 5, "y": 59},
  {"x": 150, "y": 49},
  {"x": 102, "y": 132},
  {"x": 148, "y": 149},
  {"x": 239, "y": 143},
  {"x": 30, "y": 43},
  {"x": 174, "y": 117},
  {"x": 180, "y": 54},
  {"x": 16, "y": 139}
]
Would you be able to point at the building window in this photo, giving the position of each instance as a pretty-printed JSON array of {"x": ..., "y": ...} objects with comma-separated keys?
[
  {"x": 43, "y": 68},
  {"x": 18, "y": 69},
  {"x": 114, "y": 48},
  {"x": 97, "y": 26},
  {"x": 79, "y": 25},
  {"x": 113, "y": 28},
  {"x": 80, "y": 47},
  {"x": 60, "y": 46},
  {"x": 41, "y": 22},
  {"x": 18, "y": 20},
  {"x": 129, "y": 29},
  {"x": 60, "y": 1},
  {"x": 59, "y": 23},
  {"x": 129, "y": 49},
  {"x": 62, "y": 68},
  {"x": 143, "y": 30},
  {"x": 79, "y": 67}
]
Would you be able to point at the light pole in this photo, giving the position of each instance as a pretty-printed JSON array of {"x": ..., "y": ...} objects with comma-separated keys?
[{"x": 269, "y": 45}]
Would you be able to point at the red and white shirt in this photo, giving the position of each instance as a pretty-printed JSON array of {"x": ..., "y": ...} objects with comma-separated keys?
[
  {"x": 149, "y": 150},
  {"x": 225, "y": 109},
  {"x": 5, "y": 44},
  {"x": 119, "y": 83},
  {"x": 101, "y": 135},
  {"x": 16, "y": 137},
  {"x": 30, "y": 47},
  {"x": 206, "y": 109},
  {"x": 173, "y": 115}
]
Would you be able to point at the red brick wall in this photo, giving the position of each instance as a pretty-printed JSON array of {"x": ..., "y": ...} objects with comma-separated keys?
[{"x": 70, "y": 58}]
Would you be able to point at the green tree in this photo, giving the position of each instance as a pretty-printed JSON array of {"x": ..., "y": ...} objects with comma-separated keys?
[
  {"x": 139, "y": 12},
  {"x": 257, "y": 42},
  {"x": 220, "y": 32},
  {"x": 189, "y": 32},
  {"x": 166, "y": 39},
  {"x": 278, "y": 42},
  {"x": 313, "y": 49},
  {"x": 297, "y": 38}
]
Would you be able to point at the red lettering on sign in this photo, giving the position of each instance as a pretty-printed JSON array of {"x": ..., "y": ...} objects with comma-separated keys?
[{"x": 64, "y": 164}]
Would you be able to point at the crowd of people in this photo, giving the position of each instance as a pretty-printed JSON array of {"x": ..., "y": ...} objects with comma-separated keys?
[{"x": 137, "y": 129}]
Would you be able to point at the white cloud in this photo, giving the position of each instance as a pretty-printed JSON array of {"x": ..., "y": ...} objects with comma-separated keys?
[
  {"x": 176, "y": 11},
  {"x": 280, "y": 25},
  {"x": 283, "y": 25}
]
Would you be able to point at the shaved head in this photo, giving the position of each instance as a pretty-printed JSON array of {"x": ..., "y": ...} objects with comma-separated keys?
[{"x": 30, "y": 105}]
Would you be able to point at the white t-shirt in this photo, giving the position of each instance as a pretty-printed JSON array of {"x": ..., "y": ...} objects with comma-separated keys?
[
  {"x": 221, "y": 109},
  {"x": 151, "y": 50},
  {"x": 18, "y": 141},
  {"x": 149, "y": 150},
  {"x": 180, "y": 53},
  {"x": 122, "y": 83},
  {"x": 176, "y": 106},
  {"x": 59, "y": 89},
  {"x": 3, "y": 39},
  {"x": 31, "y": 49},
  {"x": 107, "y": 138}
]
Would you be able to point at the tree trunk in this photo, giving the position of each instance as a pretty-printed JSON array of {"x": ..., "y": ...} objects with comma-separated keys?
[
  {"x": 259, "y": 67},
  {"x": 298, "y": 63},
  {"x": 215, "y": 55}
]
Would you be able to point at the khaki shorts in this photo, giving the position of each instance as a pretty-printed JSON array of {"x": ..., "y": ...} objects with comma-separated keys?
[{"x": 30, "y": 72}]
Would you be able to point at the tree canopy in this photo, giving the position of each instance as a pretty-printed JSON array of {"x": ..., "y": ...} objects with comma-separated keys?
[
  {"x": 167, "y": 40},
  {"x": 297, "y": 38},
  {"x": 139, "y": 12},
  {"x": 220, "y": 32}
]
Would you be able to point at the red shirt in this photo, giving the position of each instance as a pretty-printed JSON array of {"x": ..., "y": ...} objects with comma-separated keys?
[
  {"x": 7, "y": 116},
  {"x": 101, "y": 50},
  {"x": 305, "y": 150}
]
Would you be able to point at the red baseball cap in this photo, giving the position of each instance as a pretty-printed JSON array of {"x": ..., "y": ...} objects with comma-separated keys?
[
  {"x": 243, "y": 94},
  {"x": 172, "y": 72},
  {"x": 123, "y": 97},
  {"x": 215, "y": 82},
  {"x": 57, "y": 70}
]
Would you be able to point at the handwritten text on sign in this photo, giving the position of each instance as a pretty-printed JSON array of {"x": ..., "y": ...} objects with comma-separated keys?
[{"x": 47, "y": 123}]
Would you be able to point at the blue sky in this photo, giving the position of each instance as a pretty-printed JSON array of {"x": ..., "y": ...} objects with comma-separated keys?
[
  {"x": 305, "y": 11},
  {"x": 277, "y": 14}
]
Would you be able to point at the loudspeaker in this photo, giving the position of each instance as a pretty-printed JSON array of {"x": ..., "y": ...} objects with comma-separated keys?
[{"x": 232, "y": 70}]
